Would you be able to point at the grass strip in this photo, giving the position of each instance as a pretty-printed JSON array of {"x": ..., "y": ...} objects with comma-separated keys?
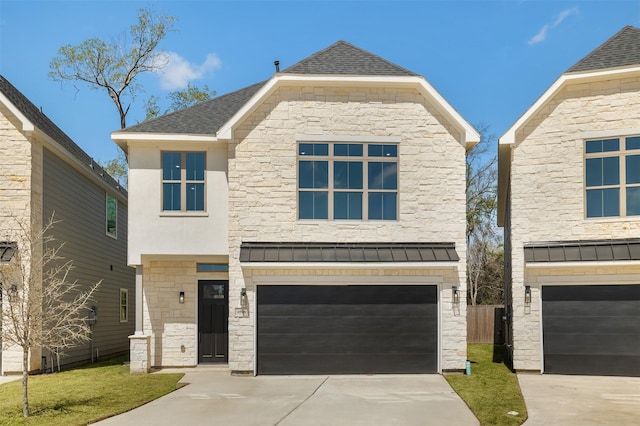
[{"x": 492, "y": 390}]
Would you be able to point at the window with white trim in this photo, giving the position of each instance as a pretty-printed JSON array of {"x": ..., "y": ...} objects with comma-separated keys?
[
  {"x": 112, "y": 216},
  {"x": 348, "y": 181},
  {"x": 124, "y": 305},
  {"x": 612, "y": 177},
  {"x": 183, "y": 181}
]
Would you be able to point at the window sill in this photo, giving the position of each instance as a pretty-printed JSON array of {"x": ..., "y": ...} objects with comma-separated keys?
[
  {"x": 344, "y": 221},
  {"x": 184, "y": 214},
  {"x": 611, "y": 219}
]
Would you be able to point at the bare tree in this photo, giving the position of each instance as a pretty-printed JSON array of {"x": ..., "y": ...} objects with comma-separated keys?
[
  {"x": 482, "y": 235},
  {"x": 42, "y": 307},
  {"x": 114, "y": 67}
]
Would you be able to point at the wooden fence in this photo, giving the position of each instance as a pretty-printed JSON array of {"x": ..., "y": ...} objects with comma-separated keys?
[{"x": 485, "y": 324}]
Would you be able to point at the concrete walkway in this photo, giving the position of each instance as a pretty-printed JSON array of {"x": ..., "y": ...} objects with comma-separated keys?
[
  {"x": 215, "y": 397},
  {"x": 580, "y": 400},
  {"x": 11, "y": 378}
]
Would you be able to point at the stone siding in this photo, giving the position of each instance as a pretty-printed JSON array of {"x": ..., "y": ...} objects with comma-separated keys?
[
  {"x": 547, "y": 187},
  {"x": 263, "y": 190}
]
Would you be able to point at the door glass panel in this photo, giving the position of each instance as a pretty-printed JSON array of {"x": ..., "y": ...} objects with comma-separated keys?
[{"x": 213, "y": 291}]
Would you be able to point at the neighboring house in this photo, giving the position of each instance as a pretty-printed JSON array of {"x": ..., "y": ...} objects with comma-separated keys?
[
  {"x": 42, "y": 172},
  {"x": 569, "y": 201},
  {"x": 311, "y": 223}
]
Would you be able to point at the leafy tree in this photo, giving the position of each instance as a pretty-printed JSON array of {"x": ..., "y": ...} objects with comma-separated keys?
[
  {"x": 483, "y": 248},
  {"x": 41, "y": 308},
  {"x": 114, "y": 67},
  {"x": 117, "y": 168},
  {"x": 180, "y": 99}
]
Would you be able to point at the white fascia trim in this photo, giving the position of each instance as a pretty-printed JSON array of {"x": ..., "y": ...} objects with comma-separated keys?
[
  {"x": 27, "y": 125},
  {"x": 348, "y": 265},
  {"x": 593, "y": 264},
  {"x": 509, "y": 137},
  {"x": 470, "y": 135},
  {"x": 169, "y": 137}
]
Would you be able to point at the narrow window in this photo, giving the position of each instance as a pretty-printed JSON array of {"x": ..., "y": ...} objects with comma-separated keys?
[
  {"x": 124, "y": 305},
  {"x": 183, "y": 181},
  {"x": 112, "y": 216}
]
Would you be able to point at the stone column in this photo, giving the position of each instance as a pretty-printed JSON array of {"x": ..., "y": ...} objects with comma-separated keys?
[{"x": 139, "y": 343}]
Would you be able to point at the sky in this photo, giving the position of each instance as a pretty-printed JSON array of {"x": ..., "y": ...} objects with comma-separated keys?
[{"x": 489, "y": 59}]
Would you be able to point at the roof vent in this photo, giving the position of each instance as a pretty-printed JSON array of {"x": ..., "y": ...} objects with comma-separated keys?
[{"x": 277, "y": 64}]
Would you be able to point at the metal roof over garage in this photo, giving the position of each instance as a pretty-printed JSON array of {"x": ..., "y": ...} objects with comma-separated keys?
[
  {"x": 583, "y": 251},
  {"x": 348, "y": 252}
]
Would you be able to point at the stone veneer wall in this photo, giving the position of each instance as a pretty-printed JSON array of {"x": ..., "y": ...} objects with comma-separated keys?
[
  {"x": 547, "y": 190},
  {"x": 263, "y": 192}
]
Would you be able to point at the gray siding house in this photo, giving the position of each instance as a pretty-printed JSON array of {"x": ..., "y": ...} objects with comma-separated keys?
[
  {"x": 42, "y": 172},
  {"x": 569, "y": 201}
]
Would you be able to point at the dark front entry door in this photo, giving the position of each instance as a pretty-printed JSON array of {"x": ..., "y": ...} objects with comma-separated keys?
[{"x": 213, "y": 314}]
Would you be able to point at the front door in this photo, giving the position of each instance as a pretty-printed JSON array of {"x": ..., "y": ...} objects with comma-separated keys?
[{"x": 213, "y": 314}]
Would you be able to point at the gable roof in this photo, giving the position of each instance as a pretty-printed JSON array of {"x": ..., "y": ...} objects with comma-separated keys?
[
  {"x": 342, "y": 58},
  {"x": 39, "y": 120},
  {"x": 622, "y": 49}
]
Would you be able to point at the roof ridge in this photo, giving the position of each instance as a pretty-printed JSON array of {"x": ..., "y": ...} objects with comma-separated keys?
[{"x": 578, "y": 66}]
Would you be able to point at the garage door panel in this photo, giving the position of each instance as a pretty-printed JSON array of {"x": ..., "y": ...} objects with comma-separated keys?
[
  {"x": 347, "y": 329},
  {"x": 588, "y": 327},
  {"x": 341, "y": 343},
  {"x": 605, "y": 365},
  {"x": 623, "y": 308},
  {"x": 345, "y": 324},
  {"x": 345, "y": 363},
  {"x": 334, "y": 310},
  {"x": 596, "y": 324}
]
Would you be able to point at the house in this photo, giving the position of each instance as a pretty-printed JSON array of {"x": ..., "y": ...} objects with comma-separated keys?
[
  {"x": 42, "y": 172},
  {"x": 311, "y": 223},
  {"x": 569, "y": 201}
]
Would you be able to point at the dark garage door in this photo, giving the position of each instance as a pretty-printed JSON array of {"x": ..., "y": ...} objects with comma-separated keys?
[
  {"x": 347, "y": 329},
  {"x": 593, "y": 330}
]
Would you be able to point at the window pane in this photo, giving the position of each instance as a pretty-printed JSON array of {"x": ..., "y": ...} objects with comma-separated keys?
[
  {"x": 611, "y": 202},
  {"x": 347, "y": 150},
  {"x": 195, "y": 197},
  {"x": 390, "y": 150},
  {"x": 375, "y": 150},
  {"x": 633, "y": 168},
  {"x": 313, "y": 174},
  {"x": 594, "y": 171},
  {"x": 347, "y": 175},
  {"x": 171, "y": 165},
  {"x": 195, "y": 165},
  {"x": 633, "y": 201},
  {"x": 375, "y": 175},
  {"x": 593, "y": 146},
  {"x": 347, "y": 205},
  {"x": 375, "y": 205},
  {"x": 594, "y": 203},
  {"x": 313, "y": 205},
  {"x": 171, "y": 196},
  {"x": 609, "y": 145},
  {"x": 610, "y": 171},
  {"x": 389, "y": 206},
  {"x": 313, "y": 149},
  {"x": 382, "y": 205},
  {"x": 633, "y": 142},
  {"x": 383, "y": 175}
]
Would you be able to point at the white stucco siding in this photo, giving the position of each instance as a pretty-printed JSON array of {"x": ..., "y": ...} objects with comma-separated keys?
[
  {"x": 263, "y": 189},
  {"x": 547, "y": 189},
  {"x": 154, "y": 232}
]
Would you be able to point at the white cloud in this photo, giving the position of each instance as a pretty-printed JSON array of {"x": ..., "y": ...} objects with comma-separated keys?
[
  {"x": 178, "y": 72},
  {"x": 542, "y": 34}
]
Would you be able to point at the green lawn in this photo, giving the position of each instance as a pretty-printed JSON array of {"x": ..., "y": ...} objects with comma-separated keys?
[
  {"x": 492, "y": 390},
  {"x": 82, "y": 395}
]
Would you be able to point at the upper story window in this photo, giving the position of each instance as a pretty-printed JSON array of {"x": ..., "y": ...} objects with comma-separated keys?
[
  {"x": 612, "y": 177},
  {"x": 112, "y": 216},
  {"x": 350, "y": 181},
  {"x": 183, "y": 181}
]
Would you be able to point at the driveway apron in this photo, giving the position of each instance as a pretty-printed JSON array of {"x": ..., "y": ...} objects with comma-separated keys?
[{"x": 215, "y": 397}]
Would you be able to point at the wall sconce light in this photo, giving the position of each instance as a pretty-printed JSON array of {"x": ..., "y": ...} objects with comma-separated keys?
[
  {"x": 527, "y": 295},
  {"x": 181, "y": 297},
  {"x": 244, "y": 300},
  {"x": 456, "y": 294}
]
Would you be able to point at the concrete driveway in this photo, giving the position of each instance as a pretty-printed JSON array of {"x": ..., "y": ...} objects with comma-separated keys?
[
  {"x": 580, "y": 400},
  {"x": 215, "y": 397}
]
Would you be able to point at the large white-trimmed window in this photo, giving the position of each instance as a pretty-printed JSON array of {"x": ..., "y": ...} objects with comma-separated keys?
[
  {"x": 183, "y": 181},
  {"x": 124, "y": 305},
  {"x": 112, "y": 216},
  {"x": 347, "y": 181},
  {"x": 612, "y": 177}
]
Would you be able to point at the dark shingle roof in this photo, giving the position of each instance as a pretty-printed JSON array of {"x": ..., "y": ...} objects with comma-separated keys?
[
  {"x": 623, "y": 49},
  {"x": 206, "y": 118},
  {"x": 202, "y": 119},
  {"x": 42, "y": 122},
  {"x": 348, "y": 252},
  {"x": 343, "y": 58},
  {"x": 583, "y": 251}
]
